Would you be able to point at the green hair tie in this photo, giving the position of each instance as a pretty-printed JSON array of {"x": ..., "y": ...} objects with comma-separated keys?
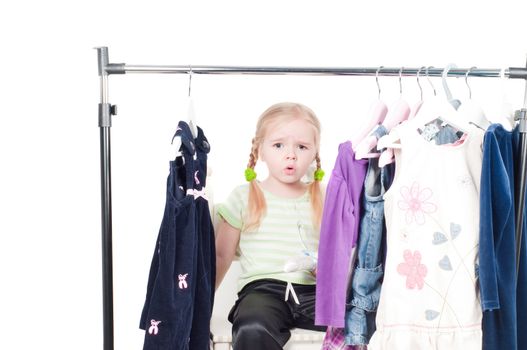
[
  {"x": 250, "y": 174},
  {"x": 319, "y": 174}
]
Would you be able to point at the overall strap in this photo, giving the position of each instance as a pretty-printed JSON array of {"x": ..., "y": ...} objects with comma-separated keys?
[
  {"x": 202, "y": 149},
  {"x": 188, "y": 151}
]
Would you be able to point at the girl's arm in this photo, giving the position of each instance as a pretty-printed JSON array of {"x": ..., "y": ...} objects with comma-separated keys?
[{"x": 227, "y": 238}]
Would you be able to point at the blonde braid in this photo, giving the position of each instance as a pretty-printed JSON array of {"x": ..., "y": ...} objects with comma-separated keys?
[
  {"x": 256, "y": 206},
  {"x": 253, "y": 157},
  {"x": 316, "y": 197}
]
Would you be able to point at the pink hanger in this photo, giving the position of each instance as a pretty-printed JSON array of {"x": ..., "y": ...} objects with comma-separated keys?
[
  {"x": 399, "y": 111},
  {"x": 387, "y": 155},
  {"x": 363, "y": 144}
]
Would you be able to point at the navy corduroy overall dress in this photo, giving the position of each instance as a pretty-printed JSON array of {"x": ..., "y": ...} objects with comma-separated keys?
[{"x": 180, "y": 291}]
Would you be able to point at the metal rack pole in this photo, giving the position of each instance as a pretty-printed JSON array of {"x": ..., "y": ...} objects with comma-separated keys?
[
  {"x": 105, "y": 122},
  {"x": 521, "y": 116}
]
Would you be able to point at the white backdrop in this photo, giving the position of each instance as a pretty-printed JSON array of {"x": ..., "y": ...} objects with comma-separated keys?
[{"x": 50, "y": 250}]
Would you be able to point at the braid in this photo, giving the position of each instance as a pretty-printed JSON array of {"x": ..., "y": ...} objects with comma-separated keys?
[
  {"x": 256, "y": 206},
  {"x": 253, "y": 156},
  {"x": 316, "y": 195}
]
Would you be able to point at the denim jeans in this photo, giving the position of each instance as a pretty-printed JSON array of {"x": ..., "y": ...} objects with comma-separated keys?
[{"x": 368, "y": 272}]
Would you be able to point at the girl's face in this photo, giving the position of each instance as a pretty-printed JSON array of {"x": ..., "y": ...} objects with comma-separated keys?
[{"x": 288, "y": 149}]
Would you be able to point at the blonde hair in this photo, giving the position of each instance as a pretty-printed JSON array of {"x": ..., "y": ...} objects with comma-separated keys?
[{"x": 281, "y": 113}]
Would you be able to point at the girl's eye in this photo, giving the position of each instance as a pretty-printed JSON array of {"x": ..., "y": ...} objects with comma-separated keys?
[
  {"x": 278, "y": 145},
  {"x": 302, "y": 147}
]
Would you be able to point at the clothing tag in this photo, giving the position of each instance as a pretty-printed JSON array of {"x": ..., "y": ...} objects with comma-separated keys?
[{"x": 430, "y": 131}]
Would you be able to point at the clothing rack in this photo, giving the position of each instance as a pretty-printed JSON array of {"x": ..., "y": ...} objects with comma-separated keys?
[{"x": 106, "y": 111}]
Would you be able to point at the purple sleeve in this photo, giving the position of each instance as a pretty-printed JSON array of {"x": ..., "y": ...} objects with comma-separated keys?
[
  {"x": 338, "y": 235},
  {"x": 333, "y": 256}
]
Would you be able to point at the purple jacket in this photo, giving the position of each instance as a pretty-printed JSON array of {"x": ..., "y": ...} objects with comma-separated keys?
[{"x": 338, "y": 236}]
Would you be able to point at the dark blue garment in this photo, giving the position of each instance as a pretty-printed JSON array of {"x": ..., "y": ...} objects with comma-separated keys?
[
  {"x": 206, "y": 258},
  {"x": 504, "y": 308},
  {"x": 180, "y": 291}
]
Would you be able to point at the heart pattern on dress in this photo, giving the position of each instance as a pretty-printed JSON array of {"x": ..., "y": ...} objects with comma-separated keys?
[
  {"x": 431, "y": 314},
  {"x": 445, "y": 264},
  {"x": 455, "y": 230},
  {"x": 439, "y": 238}
]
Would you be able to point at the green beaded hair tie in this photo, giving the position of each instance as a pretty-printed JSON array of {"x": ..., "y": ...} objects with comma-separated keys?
[
  {"x": 319, "y": 174},
  {"x": 250, "y": 174}
]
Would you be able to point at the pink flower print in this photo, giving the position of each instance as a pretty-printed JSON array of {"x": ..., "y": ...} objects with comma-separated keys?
[
  {"x": 412, "y": 268},
  {"x": 415, "y": 203}
]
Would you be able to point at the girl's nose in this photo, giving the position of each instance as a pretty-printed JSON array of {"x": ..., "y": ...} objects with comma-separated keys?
[{"x": 291, "y": 155}]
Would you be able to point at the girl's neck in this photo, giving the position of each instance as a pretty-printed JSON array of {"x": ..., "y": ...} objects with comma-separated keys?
[{"x": 285, "y": 190}]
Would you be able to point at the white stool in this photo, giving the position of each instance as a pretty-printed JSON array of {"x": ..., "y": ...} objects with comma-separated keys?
[{"x": 220, "y": 327}]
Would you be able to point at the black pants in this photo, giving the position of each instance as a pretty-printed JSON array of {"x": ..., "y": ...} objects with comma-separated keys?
[{"x": 261, "y": 319}]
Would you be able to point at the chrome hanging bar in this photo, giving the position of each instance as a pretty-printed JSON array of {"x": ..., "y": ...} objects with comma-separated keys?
[{"x": 121, "y": 68}]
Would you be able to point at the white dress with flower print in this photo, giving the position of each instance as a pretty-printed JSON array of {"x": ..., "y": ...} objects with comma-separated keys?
[{"x": 429, "y": 296}]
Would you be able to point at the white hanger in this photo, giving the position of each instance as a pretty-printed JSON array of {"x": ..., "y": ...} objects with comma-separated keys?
[
  {"x": 190, "y": 119},
  {"x": 471, "y": 111},
  {"x": 504, "y": 113},
  {"x": 191, "y": 113},
  {"x": 377, "y": 113},
  {"x": 454, "y": 102},
  {"x": 431, "y": 110}
]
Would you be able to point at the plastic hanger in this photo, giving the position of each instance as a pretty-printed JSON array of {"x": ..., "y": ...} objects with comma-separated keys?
[
  {"x": 431, "y": 110},
  {"x": 393, "y": 137},
  {"x": 377, "y": 113},
  {"x": 191, "y": 114},
  {"x": 190, "y": 119},
  {"x": 471, "y": 111},
  {"x": 364, "y": 143},
  {"x": 504, "y": 113},
  {"x": 439, "y": 108},
  {"x": 417, "y": 106},
  {"x": 396, "y": 114},
  {"x": 454, "y": 102},
  {"x": 399, "y": 111},
  {"x": 387, "y": 155}
]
